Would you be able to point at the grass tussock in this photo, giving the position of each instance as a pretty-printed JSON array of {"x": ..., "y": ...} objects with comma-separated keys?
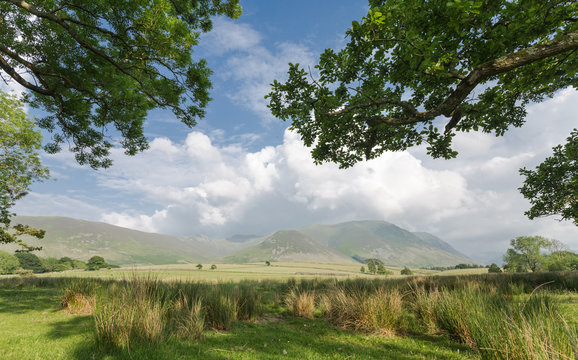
[
  {"x": 380, "y": 311},
  {"x": 77, "y": 303},
  {"x": 301, "y": 303}
]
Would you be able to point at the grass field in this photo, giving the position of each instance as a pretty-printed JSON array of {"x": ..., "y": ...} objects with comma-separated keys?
[
  {"x": 266, "y": 325},
  {"x": 252, "y": 271}
]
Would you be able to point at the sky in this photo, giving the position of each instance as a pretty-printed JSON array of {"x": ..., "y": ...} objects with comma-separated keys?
[{"x": 241, "y": 171}]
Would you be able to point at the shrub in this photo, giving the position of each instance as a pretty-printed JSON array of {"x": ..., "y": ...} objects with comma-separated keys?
[
  {"x": 494, "y": 269},
  {"x": 406, "y": 271}
]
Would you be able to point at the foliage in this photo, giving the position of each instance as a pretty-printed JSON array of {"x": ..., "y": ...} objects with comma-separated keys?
[
  {"x": 371, "y": 267},
  {"x": 29, "y": 261},
  {"x": 49, "y": 264},
  {"x": 494, "y": 268},
  {"x": 200, "y": 266},
  {"x": 213, "y": 267},
  {"x": 526, "y": 253},
  {"x": 19, "y": 167},
  {"x": 104, "y": 63},
  {"x": 381, "y": 270},
  {"x": 562, "y": 261},
  {"x": 410, "y": 63},
  {"x": 8, "y": 263},
  {"x": 552, "y": 188},
  {"x": 406, "y": 271},
  {"x": 362, "y": 269},
  {"x": 96, "y": 263},
  {"x": 268, "y": 263}
]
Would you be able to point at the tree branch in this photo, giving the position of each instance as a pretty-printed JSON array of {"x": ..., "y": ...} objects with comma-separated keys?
[{"x": 481, "y": 73}]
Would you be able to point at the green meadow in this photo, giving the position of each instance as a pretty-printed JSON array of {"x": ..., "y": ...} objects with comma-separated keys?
[{"x": 287, "y": 310}]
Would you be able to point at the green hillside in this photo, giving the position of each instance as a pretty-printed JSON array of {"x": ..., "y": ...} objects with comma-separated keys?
[
  {"x": 388, "y": 242},
  {"x": 288, "y": 245},
  {"x": 81, "y": 239}
]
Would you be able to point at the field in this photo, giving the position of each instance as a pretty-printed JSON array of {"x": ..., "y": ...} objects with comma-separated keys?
[
  {"x": 287, "y": 310},
  {"x": 251, "y": 271}
]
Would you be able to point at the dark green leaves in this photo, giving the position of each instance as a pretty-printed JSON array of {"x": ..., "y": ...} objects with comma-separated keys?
[
  {"x": 411, "y": 63},
  {"x": 102, "y": 65},
  {"x": 552, "y": 188}
]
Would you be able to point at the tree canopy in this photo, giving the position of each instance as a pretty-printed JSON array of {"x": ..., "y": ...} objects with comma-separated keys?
[
  {"x": 417, "y": 71},
  {"x": 19, "y": 166},
  {"x": 552, "y": 188},
  {"x": 102, "y": 64}
]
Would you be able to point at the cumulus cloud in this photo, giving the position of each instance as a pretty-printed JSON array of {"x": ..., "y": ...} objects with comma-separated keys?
[{"x": 200, "y": 187}]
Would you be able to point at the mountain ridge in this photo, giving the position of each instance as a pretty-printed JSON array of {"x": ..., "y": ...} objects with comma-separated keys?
[{"x": 343, "y": 242}]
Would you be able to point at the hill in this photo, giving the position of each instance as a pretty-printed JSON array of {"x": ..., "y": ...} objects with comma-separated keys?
[
  {"x": 385, "y": 241},
  {"x": 82, "y": 239},
  {"x": 287, "y": 245}
]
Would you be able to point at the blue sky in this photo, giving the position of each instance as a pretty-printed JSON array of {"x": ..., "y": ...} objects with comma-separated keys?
[{"x": 241, "y": 171}]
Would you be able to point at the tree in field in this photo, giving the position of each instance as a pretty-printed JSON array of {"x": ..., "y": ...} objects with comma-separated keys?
[
  {"x": 19, "y": 167},
  {"x": 417, "y": 72},
  {"x": 96, "y": 263},
  {"x": 494, "y": 268},
  {"x": 552, "y": 188},
  {"x": 8, "y": 263},
  {"x": 371, "y": 267},
  {"x": 213, "y": 267},
  {"x": 99, "y": 65},
  {"x": 526, "y": 253},
  {"x": 268, "y": 263},
  {"x": 362, "y": 269},
  {"x": 406, "y": 271},
  {"x": 29, "y": 261},
  {"x": 200, "y": 266}
]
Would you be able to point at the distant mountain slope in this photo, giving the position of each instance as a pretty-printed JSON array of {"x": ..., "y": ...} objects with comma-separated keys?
[
  {"x": 82, "y": 239},
  {"x": 386, "y": 241},
  {"x": 287, "y": 245}
]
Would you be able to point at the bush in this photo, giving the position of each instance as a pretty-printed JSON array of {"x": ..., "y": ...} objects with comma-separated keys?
[
  {"x": 8, "y": 263},
  {"x": 29, "y": 261},
  {"x": 406, "y": 271},
  {"x": 494, "y": 269}
]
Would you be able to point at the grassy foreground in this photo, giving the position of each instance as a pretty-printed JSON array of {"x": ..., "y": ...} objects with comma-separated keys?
[{"x": 465, "y": 317}]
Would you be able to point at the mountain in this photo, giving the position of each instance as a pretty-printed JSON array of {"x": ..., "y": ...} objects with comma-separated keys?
[
  {"x": 387, "y": 242},
  {"x": 344, "y": 242},
  {"x": 80, "y": 239},
  {"x": 287, "y": 245}
]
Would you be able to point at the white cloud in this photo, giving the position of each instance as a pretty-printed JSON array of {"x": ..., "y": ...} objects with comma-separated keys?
[{"x": 251, "y": 67}]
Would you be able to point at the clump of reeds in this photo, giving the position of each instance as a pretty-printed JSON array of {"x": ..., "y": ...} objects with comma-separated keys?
[
  {"x": 188, "y": 319},
  {"x": 379, "y": 311},
  {"x": 301, "y": 303}
]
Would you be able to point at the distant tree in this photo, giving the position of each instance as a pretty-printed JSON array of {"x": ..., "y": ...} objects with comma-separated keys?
[
  {"x": 268, "y": 263},
  {"x": 96, "y": 263},
  {"x": 49, "y": 263},
  {"x": 526, "y": 253},
  {"x": 62, "y": 267},
  {"x": 371, "y": 267},
  {"x": 8, "y": 263},
  {"x": 562, "y": 261},
  {"x": 29, "y": 261},
  {"x": 552, "y": 188},
  {"x": 494, "y": 268},
  {"x": 406, "y": 271},
  {"x": 213, "y": 267},
  {"x": 381, "y": 270},
  {"x": 199, "y": 266},
  {"x": 362, "y": 269}
]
